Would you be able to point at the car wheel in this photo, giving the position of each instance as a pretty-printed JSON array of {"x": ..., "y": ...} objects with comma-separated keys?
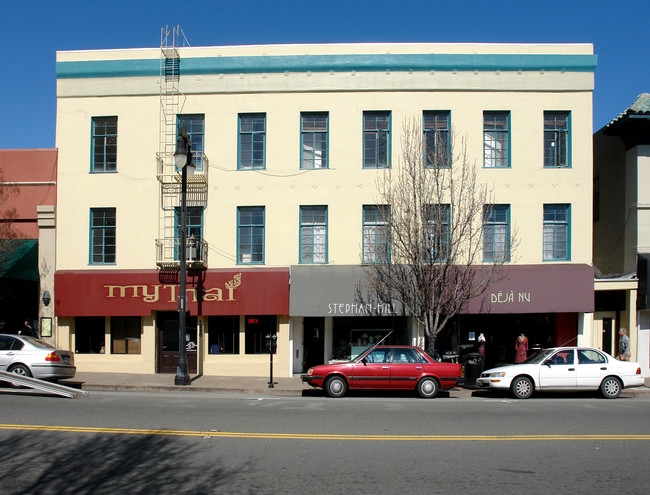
[
  {"x": 428, "y": 388},
  {"x": 522, "y": 387},
  {"x": 611, "y": 387},
  {"x": 336, "y": 386},
  {"x": 21, "y": 370}
]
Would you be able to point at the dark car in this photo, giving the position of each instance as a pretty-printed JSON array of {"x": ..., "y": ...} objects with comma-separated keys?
[
  {"x": 386, "y": 368},
  {"x": 31, "y": 357}
]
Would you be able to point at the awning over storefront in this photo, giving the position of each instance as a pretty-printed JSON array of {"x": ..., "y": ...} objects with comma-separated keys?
[
  {"x": 139, "y": 292},
  {"x": 341, "y": 291},
  {"x": 19, "y": 260}
]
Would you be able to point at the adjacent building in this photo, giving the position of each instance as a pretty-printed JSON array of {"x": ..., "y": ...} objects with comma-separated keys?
[
  {"x": 622, "y": 230},
  {"x": 27, "y": 240},
  {"x": 283, "y": 207}
]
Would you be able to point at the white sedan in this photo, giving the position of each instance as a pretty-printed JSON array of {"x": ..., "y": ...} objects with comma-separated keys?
[{"x": 564, "y": 368}]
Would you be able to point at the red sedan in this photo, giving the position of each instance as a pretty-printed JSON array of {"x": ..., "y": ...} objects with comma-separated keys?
[{"x": 386, "y": 368}]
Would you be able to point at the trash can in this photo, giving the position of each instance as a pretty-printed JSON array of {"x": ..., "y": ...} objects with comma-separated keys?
[{"x": 473, "y": 369}]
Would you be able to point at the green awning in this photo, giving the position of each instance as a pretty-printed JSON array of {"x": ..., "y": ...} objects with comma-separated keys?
[{"x": 20, "y": 261}]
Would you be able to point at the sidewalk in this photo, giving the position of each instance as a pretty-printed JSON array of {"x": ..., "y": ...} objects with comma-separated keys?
[
  {"x": 287, "y": 386},
  {"x": 165, "y": 383}
]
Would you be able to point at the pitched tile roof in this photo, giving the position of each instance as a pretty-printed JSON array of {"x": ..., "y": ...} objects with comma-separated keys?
[{"x": 640, "y": 106}]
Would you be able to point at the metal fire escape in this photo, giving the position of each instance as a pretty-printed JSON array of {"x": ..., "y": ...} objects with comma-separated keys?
[{"x": 171, "y": 103}]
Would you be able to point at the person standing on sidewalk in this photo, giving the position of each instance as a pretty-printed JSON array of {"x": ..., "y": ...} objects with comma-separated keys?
[
  {"x": 624, "y": 349},
  {"x": 27, "y": 330}
]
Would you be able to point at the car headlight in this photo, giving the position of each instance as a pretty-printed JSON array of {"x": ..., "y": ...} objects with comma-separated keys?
[{"x": 500, "y": 374}]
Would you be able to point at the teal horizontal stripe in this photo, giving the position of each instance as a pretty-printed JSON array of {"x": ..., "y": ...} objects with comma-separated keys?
[
  {"x": 326, "y": 63},
  {"x": 108, "y": 68}
]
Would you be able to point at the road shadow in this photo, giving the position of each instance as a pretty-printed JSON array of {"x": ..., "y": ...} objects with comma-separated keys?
[
  {"x": 401, "y": 394},
  {"x": 543, "y": 395},
  {"x": 44, "y": 462}
]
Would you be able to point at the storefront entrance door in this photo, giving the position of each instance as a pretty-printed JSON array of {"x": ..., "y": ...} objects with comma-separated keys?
[
  {"x": 167, "y": 359},
  {"x": 605, "y": 324},
  {"x": 314, "y": 342}
]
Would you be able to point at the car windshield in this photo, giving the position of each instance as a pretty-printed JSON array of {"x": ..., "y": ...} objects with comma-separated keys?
[
  {"x": 539, "y": 357},
  {"x": 37, "y": 343}
]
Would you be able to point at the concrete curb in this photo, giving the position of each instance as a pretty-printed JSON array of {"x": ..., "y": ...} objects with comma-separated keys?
[
  {"x": 284, "y": 386},
  {"x": 452, "y": 393},
  {"x": 189, "y": 389}
]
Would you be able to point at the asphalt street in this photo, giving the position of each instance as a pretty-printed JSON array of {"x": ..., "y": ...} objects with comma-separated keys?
[{"x": 121, "y": 442}]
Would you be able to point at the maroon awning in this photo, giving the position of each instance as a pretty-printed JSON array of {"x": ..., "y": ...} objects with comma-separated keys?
[
  {"x": 139, "y": 292},
  {"x": 551, "y": 288}
]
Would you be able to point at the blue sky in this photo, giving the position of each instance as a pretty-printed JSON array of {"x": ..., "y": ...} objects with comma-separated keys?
[{"x": 33, "y": 30}]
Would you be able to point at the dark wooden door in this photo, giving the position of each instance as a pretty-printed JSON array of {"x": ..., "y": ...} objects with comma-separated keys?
[{"x": 167, "y": 326}]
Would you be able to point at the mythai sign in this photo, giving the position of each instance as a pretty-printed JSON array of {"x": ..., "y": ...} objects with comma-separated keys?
[
  {"x": 139, "y": 292},
  {"x": 340, "y": 291}
]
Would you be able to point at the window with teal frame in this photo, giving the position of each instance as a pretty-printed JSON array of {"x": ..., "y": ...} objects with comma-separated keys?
[
  {"x": 195, "y": 129},
  {"x": 376, "y": 234},
  {"x": 496, "y": 233},
  {"x": 436, "y": 233},
  {"x": 436, "y": 129},
  {"x": 313, "y": 140},
  {"x": 252, "y": 142},
  {"x": 104, "y": 145},
  {"x": 496, "y": 139},
  {"x": 376, "y": 139},
  {"x": 313, "y": 234},
  {"x": 250, "y": 235},
  {"x": 194, "y": 229},
  {"x": 557, "y": 223},
  {"x": 557, "y": 140},
  {"x": 102, "y": 236}
]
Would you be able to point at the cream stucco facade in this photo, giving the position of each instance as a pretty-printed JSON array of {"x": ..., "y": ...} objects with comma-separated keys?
[{"x": 281, "y": 82}]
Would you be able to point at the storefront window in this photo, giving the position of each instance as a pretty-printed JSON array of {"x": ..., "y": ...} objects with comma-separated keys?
[
  {"x": 257, "y": 328},
  {"x": 352, "y": 336},
  {"x": 89, "y": 335},
  {"x": 125, "y": 335},
  {"x": 223, "y": 334}
]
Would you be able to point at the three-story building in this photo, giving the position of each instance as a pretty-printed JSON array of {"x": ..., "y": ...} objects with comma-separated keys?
[{"x": 283, "y": 209}]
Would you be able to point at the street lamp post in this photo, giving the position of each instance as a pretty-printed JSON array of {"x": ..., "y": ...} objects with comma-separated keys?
[{"x": 183, "y": 160}]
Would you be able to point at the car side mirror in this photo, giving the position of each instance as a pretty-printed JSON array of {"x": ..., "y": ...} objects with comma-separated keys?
[{"x": 548, "y": 362}]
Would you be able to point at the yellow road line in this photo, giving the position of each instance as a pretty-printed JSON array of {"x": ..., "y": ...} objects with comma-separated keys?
[{"x": 316, "y": 436}]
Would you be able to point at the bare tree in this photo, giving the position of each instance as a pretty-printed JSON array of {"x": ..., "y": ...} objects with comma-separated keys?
[
  {"x": 8, "y": 235},
  {"x": 433, "y": 212}
]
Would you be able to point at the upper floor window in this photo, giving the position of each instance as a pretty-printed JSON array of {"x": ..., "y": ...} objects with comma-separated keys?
[
  {"x": 313, "y": 140},
  {"x": 557, "y": 218},
  {"x": 102, "y": 236},
  {"x": 194, "y": 127},
  {"x": 496, "y": 139},
  {"x": 193, "y": 233},
  {"x": 104, "y": 144},
  {"x": 376, "y": 139},
  {"x": 376, "y": 234},
  {"x": 436, "y": 233},
  {"x": 313, "y": 234},
  {"x": 496, "y": 233},
  {"x": 557, "y": 139},
  {"x": 252, "y": 141},
  {"x": 250, "y": 234},
  {"x": 436, "y": 139}
]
